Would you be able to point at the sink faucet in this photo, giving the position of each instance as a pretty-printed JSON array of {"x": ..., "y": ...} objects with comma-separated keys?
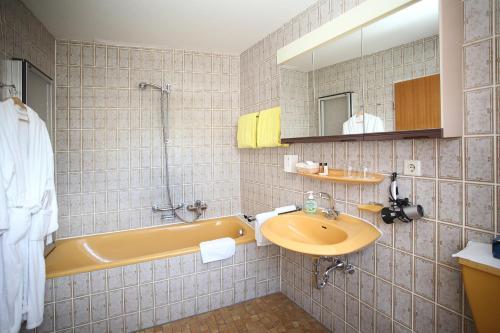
[{"x": 330, "y": 212}]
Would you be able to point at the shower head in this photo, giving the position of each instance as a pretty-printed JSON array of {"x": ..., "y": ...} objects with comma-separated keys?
[{"x": 144, "y": 85}]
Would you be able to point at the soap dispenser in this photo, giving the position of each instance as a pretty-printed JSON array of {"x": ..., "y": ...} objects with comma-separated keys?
[{"x": 310, "y": 206}]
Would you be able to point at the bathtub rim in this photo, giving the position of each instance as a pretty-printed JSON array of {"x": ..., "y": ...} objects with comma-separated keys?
[{"x": 248, "y": 237}]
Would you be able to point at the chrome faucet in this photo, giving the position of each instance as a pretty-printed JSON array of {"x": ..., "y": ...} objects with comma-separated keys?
[
  {"x": 167, "y": 212},
  {"x": 198, "y": 207},
  {"x": 330, "y": 213}
]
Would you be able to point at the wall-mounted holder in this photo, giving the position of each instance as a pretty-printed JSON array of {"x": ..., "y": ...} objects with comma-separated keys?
[
  {"x": 338, "y": 176},
  {"x": 322, "y": 278},
  {"x": 400, "y": 209},
  {"x": 372, "y": 207}
]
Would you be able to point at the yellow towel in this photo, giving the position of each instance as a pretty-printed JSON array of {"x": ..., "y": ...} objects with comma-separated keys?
[
  {"x": 269, "y": 128},
  {"x": 247, "y": 130}
]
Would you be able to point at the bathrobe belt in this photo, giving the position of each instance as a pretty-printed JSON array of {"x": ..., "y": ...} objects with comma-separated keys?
[
  {"x": 27, "y": 220},
  {"x": 19, "y": 224}
]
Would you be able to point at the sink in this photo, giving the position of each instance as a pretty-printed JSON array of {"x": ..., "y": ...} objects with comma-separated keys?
[{"x": 314, "y": 234}]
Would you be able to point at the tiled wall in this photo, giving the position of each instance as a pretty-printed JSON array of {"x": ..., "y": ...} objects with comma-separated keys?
[
  {"x": 139, "y": 296},
  {"x": 23, "y": 36},
  {"x": 408, "y": 280},
  {"x": 109, "y": 155}
]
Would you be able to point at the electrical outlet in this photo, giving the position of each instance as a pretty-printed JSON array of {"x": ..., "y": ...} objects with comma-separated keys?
[{"x": 412, "y": 168}]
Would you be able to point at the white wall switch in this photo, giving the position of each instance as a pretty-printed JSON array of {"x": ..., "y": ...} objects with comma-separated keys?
[
  {"x": 412, "y": 168},
  {"x": 289, "y": 162}
]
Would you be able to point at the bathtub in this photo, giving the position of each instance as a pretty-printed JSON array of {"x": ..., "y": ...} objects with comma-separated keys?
[{"x": 91, "y": 253}]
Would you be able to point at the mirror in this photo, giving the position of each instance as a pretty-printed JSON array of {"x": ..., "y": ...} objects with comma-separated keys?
[
  {"x": 380, "y": 77},
  {"x": 337, "y": 80},
  {"x": 401, "y": 69},
  {"x": 296, "y": 92},
  {"x": 321, "y": 89}
]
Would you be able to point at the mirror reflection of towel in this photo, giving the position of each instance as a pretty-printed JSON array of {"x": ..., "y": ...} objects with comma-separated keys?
[{"x": 354, "y": 125}]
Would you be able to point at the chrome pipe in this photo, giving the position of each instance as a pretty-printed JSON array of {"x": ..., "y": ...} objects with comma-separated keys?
[{"x": 337, "y": 264}]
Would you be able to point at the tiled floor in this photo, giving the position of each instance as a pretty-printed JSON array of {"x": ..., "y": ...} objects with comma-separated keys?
[{"x": 273, "y": 313}]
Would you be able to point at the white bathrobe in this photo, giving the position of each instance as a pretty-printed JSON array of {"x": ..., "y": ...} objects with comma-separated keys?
[
  {"x": 370, "y": 123},
  {"x": 29, "y": 213}
]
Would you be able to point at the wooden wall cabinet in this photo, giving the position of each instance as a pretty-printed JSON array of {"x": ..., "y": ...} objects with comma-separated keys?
[{"x": 417, "y": 103}]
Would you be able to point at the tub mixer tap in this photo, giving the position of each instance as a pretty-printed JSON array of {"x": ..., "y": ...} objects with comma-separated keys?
[
  {"x": 168, "y": 212},
  {"x": 198, "y": 207}
]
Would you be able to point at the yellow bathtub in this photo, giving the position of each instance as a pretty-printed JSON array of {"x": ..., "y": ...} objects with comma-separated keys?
[{"x": 91, "y": 253}]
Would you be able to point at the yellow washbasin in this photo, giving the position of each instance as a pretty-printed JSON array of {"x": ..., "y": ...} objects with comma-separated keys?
[{"x": 314, "y": 234}]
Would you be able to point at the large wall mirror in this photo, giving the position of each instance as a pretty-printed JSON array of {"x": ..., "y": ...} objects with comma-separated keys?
[
  {"x": 322, "y": 89},
  {"x": 378, "y": 78}
]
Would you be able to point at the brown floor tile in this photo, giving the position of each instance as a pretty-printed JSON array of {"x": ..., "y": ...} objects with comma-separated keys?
[{"x": 269, "y": 314}]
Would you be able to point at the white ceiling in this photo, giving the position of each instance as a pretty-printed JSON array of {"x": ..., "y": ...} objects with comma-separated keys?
[{"x": 229, "y": 26}]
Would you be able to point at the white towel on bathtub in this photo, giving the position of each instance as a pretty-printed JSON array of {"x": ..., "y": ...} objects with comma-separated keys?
[
  {"x": 260, "y": 219},
  {"x": 217, "y": 249}
]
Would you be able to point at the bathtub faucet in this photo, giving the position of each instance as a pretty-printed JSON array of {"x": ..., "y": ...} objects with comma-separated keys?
[
  {"x": 168, "y": 212},
  {"x": 197, "y": 207}
]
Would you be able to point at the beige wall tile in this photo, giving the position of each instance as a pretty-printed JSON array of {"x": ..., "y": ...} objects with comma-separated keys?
[
  {"x": 450, "y": 202},
  {"x": 423, "y": 315},
  {"x": 424, "y": 278},
  {"x": 478, "y": 66},
  {"x": 479, "y": 211},
  {"x": 479, "y": 159},
  {"x": 402, "y": 306},
  {"x": 449, "y": 285},
  {"x": 478, "y": 19},
  {"x": 425, "y": 238},
  {"x": 479, "y": 112},
  {"x": 449, "y": 242}
]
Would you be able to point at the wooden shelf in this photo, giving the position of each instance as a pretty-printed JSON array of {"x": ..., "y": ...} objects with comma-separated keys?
[
  {"x": 335, "y": 175},
  {"x": 370, "y": 208},
  {"x": 398, "y": 135}
]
